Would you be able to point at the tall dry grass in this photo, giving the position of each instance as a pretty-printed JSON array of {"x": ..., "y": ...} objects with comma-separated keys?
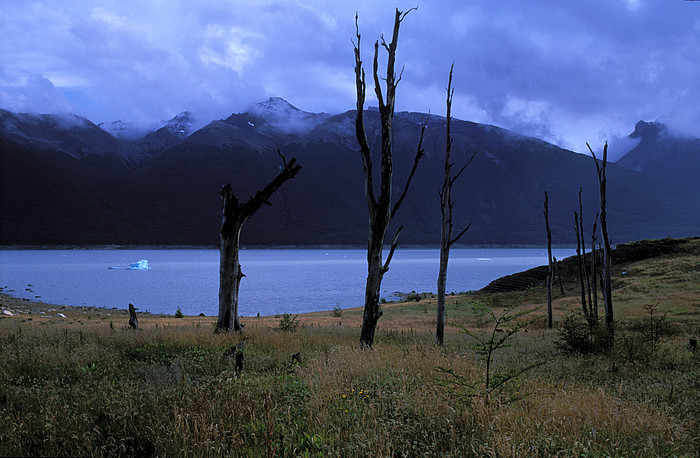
[{"x": 169, "y": 390}]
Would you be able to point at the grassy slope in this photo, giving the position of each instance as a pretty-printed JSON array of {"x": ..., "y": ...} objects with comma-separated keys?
[{"x": 85, "y": 384}]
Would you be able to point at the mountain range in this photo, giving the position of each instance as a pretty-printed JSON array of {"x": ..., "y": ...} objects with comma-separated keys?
[{"x": 67, "y": 181}]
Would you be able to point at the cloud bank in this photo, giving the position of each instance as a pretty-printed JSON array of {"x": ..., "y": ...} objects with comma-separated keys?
[{"x": 567, "y": 72}]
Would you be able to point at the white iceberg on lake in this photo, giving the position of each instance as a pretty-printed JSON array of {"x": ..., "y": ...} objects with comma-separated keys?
[{"x": 141, "y": 265}]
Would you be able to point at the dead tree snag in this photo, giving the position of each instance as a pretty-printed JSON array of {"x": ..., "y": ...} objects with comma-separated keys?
[
  {"x": 446, "y": 205},
  {"x": 234, "y": 215},
  {"x": 550, "y": 265},
  {"x": 381, "y": 210},
  {"x": 607, "y": 251}
]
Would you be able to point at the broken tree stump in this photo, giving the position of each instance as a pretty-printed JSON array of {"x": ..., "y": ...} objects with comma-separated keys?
[{"x": 133, "y": 319}]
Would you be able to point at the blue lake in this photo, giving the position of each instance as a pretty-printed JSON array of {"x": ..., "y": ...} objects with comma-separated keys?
[{"x": 277, "y": 281}]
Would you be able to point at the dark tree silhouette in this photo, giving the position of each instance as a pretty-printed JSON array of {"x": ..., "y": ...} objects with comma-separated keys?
[
  {"x": 381, "y": 210},
  {"x": 550, "y": 269},
  {"x": 583, "y": 248},
  {"x": 594, "y": 263},
  {"x": 446, "y": 205},
  {"x": 234, "y": 215},
  {"x": 607, "y": 251},
  {"x": 580, "y": 262}
]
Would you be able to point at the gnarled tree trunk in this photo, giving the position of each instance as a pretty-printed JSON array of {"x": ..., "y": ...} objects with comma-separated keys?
[
  {"x": 381, "y": 211},
  {"x": 234, "y": 215}
]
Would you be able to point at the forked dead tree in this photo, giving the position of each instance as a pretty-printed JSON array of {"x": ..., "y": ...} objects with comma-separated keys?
[
  {"x": 234, "y": 215},
  {"x": 607, "y": 263},
  {"x": 446, "y": 205},
  {"x": 550, "y": 270},
  {"x": 381, "y": 210}
]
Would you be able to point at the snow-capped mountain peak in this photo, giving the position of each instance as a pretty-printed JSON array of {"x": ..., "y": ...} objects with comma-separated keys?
[
  {"x": 181, "y": 125},
  {"x": 275, "y": 108},
  {"x": 118, "y": 128},
  {"x": 284, "y": 116}
]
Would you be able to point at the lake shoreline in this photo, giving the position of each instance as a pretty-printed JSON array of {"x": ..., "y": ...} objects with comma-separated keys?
[
  {"x": 15, "y": 304},
  {"x": 278, "y": 281}
]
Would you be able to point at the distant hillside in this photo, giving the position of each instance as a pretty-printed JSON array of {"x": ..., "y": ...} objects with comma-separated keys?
[
  {"x": 169, "y": 194},
  {"x": 622, "y": 256},
  {"x": 670, "y": 158}
]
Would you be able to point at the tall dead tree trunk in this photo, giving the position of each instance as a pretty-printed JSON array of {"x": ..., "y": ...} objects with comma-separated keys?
[
  {"x": 557, "y": 274},
  {"x": 381, "y": 211},
  {"x": 583, "y": 248},
  {"x": 594, "y": 262},
  {"x": 234, "y": 215},
  {"x": 550, "y": 270},
  {"x": 607, "y": 252},
  {"x": 446, "y": 206},
  {"x": 580, "y": 263}
]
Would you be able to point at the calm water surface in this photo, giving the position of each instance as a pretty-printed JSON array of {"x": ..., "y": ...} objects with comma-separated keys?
[{"x": 277, "y": 281}]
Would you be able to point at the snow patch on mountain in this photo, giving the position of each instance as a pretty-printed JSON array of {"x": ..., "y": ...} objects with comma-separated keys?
[
  {"x": 283, "y": 116},
  {"x": 119, "y": 129},
  {"x": 181, "y": 125}
]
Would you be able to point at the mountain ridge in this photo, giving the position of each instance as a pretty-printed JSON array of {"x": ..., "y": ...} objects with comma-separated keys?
[{"x": 170, "y": 195}]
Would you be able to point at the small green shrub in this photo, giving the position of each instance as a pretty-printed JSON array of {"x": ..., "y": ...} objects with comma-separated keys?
[
  {"x": 486, "y": 342},
  {"x": 577, "y": 335},
  {"x": 638, "y": 340},
  {"x": 337, "y": 311},
  {"x": 288, "y": 323},
  {"x": 179, "y": 313}
]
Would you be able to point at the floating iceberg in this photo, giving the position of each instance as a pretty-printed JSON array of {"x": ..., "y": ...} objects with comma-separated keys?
[{"x": 141, "y": 265}]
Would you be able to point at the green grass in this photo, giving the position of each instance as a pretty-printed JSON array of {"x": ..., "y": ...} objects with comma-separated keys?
[{"x": 171, "y": 391}]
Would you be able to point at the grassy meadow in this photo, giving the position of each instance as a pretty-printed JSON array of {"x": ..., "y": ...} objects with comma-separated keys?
[{"x": 85, "y": 384}]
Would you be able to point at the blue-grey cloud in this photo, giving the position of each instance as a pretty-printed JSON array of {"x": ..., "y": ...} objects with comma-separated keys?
[{"x": 568, "y": 72}]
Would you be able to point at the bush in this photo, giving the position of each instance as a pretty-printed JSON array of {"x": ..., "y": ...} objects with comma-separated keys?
[
  {"x": 288, "y": 323},
  {"x": 639, "y": 339},
  {"x": 179, "y": 313},
  {"x": 577, "y": 335},
  {"x": 337, "y": 311}
]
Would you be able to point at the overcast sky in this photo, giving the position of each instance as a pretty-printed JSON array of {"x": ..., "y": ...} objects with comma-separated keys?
[{"x": 565, "y": 71}]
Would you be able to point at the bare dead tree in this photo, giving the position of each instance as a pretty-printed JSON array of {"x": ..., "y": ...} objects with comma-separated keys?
[
  {"x": 607, "y": 252},
  {"x": 557, "y": 273},
  {"x": 583, "y": 248},
  {"x": 446, "y": 206},
  {"x": 594, "y": 262},
  {"x": 381, "y": 210},
  {"x": 550, "y": 270},
  {"x": 234, "y": 215},
  {"x": 579, "y": 263}
]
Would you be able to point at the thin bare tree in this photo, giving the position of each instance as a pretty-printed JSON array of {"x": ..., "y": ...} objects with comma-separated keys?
[
  {"x": 580, "y": 263},
  {"x": 583, "y": 248},
  {"x": 381, "y": 209},
  {"x": 234, "y": 215},
  {"x": 594, "y": 263},
  {"x": 607, "y": 251},
  {"x": 446, "y": 206},
  {"x": 550, "y": 269}
]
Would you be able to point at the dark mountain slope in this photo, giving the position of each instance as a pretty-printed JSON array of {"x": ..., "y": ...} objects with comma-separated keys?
[
  {"x": 52, "y": 198},
  {"x": 172, "y": 197},
  {"x": 669, "y": 158}
]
